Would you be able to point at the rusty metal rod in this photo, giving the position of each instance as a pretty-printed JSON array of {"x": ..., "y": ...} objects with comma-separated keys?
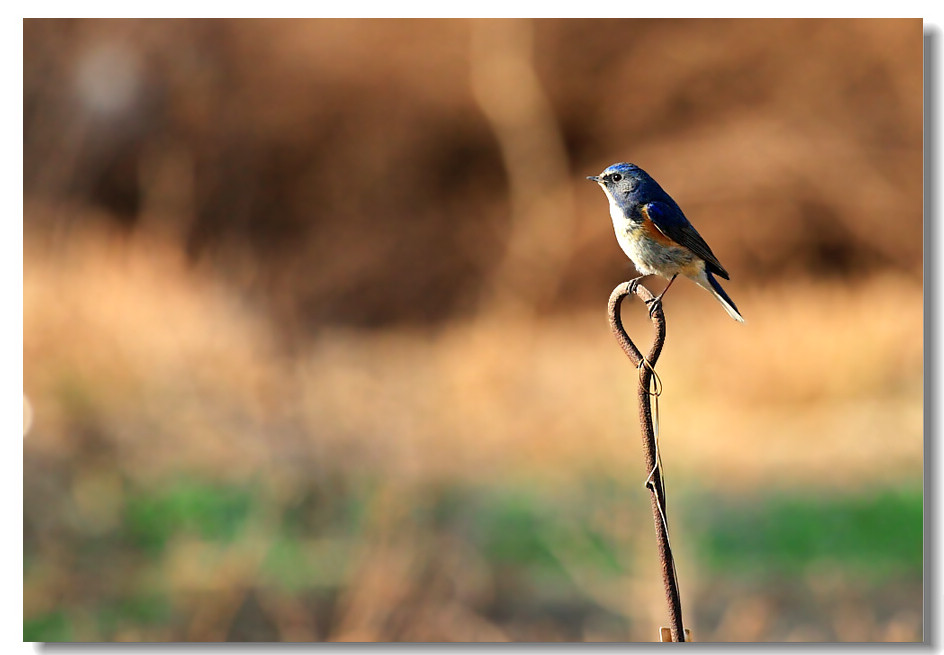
[{"x": 654, "y": 481}]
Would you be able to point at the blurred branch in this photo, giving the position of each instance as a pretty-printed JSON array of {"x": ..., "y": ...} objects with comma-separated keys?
[
  {"x": 646, "y": 368},
  {"x": 509, "y": 93}
]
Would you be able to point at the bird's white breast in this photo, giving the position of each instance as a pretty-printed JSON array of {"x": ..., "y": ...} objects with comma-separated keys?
[
  {"x": 619, "y": 219},
  {"x": 649, "y": 256},
  {"x": 622, "y": 227}
]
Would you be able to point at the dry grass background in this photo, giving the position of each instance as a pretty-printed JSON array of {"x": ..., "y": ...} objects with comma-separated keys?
[{"x": 289, "y": 384}]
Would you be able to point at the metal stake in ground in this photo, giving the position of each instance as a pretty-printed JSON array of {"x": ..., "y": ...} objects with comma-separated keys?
[{"x": 646, "y": 367}]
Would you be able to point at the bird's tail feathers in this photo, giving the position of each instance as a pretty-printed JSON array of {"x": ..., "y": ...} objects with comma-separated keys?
[{"x": 715, "y": 288}]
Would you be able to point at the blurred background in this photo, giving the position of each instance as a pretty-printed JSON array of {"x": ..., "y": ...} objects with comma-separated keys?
[{"x": 315, "y": 337}]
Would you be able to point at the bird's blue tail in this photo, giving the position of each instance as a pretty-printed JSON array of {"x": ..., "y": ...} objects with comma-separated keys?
[{"x": 715, "y": 288}]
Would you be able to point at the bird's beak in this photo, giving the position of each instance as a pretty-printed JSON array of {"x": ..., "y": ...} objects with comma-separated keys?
[{"x": 594, "y": 178}]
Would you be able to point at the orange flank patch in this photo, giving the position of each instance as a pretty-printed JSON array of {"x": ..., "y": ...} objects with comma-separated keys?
[{"x": 653, "y": 232}]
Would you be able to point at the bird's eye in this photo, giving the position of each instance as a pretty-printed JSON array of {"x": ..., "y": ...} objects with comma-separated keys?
[{"x": 616, "y": 177}]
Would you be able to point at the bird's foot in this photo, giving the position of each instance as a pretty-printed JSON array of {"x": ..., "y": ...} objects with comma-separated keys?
[
  {"x": 632, "y": 284},
  {"x": 655, "y": 304}
]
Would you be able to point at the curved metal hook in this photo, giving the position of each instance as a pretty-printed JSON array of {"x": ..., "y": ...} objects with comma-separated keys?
[{"x": 616, "y": 323}]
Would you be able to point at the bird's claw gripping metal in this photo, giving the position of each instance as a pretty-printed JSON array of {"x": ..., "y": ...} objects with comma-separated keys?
[
  {"x": 655, "y": 304},
  {"x": 632, "y": 284}
]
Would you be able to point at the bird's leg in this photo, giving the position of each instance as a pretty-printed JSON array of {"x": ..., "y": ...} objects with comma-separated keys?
[{"x": 656, "y": 302}]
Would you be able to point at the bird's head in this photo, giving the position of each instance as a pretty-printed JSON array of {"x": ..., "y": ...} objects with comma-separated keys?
[{"x": 620, "y": 181}]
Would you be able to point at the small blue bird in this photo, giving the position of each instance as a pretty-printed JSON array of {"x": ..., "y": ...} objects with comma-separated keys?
[{"x": 654, "y": 233}]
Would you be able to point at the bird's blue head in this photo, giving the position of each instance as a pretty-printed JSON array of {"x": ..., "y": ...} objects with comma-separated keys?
[{"x": 627, "y": 183}]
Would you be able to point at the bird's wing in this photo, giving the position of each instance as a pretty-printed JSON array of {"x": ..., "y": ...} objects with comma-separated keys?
[{"x": 671, "y": 222}]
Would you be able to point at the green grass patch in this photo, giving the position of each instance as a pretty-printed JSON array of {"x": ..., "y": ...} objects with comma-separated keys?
[
  {"x": 515, "y": 529},
  {"x": 53, "y": 626},
  {"x": 875, "y": 535},
  {"x": 211, "y": 511}
]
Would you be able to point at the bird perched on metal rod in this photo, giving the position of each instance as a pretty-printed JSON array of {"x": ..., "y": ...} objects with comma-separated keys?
[{"x": 654, "y": 233}]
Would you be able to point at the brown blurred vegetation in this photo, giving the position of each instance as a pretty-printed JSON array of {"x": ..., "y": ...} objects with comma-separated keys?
[
  {"x": 346, "y": 280},
  {"x": 343, "y": 171}
]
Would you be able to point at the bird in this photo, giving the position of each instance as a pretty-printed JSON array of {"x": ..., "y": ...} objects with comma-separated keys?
[{"x": 654, "y": 233}]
